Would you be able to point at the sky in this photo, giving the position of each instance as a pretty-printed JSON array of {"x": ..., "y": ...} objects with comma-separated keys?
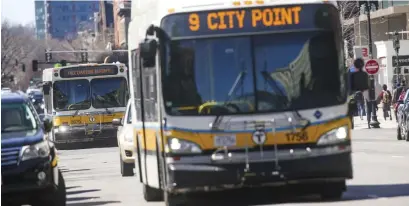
[{"x": 18, "y": 11}]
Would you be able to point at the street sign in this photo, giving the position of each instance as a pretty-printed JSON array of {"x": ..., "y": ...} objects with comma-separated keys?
[{"x": 372, "y": 66}]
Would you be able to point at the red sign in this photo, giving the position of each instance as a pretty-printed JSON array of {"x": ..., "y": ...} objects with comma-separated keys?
[
  {"x": 365, "y": 52},
  {"x": 371, "y": 66}
]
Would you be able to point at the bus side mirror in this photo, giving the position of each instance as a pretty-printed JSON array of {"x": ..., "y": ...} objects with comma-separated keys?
[
  {"x": 148, "y": 52},
  {"x": 359, "y": 81}
]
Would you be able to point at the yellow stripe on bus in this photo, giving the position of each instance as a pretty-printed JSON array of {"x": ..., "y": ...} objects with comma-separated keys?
[
  {"x": 85, "y": 119},
  {"x": 206, "y": 140}
]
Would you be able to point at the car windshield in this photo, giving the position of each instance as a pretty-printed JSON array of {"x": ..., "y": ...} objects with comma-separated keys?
[
  {"x": 71, "y": 95},
  {"x": 260, "y": 73},
  {"x": 17, "y": 117},
  {"x": 109, "y": 92}
]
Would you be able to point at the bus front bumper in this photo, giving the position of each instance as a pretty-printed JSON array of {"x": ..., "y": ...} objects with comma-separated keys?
[
  {"x": 326, "y": 167},
  {"x": 81, "y": 134}
]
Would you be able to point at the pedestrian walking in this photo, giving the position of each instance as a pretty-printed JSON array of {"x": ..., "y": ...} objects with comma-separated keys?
[
  {"x": 360, "y": 103},
  {"x": 385, "y": 97}
]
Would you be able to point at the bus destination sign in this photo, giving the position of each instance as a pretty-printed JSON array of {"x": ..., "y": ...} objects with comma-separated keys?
[
  {"x": 88, "y": 71},
  {"x": 248, "y": 20}
]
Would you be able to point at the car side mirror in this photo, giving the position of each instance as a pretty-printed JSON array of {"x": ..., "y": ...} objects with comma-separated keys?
[
  {"x": 42, "y": 117},
  {"x": 117, "y": 121},
  {"x": 48, "y": 123}
]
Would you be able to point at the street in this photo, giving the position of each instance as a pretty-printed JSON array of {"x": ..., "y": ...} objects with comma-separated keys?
[{"x": 381, "y": 176}]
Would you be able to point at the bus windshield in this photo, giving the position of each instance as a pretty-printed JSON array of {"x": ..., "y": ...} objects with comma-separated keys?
[
  {"x": 257, "y": 73},
  {"x": 109, "y": 92},
  {"x": 71, "y": 95}
]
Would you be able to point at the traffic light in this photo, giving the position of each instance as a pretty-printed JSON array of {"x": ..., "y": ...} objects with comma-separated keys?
[
  {"x": 396, "y": 43},
  {"x": 48, "y": 55},
  {"x": 84, "y": 56},
  {"x": 34, "y": 65},
  {"x": 23, "y": 67}
]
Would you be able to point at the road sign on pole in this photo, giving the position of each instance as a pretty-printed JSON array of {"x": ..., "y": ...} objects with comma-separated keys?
[{"x": 372, "y": 67}]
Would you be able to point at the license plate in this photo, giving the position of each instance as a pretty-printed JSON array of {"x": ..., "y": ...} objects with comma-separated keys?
[{"x": 228, "y": 141}]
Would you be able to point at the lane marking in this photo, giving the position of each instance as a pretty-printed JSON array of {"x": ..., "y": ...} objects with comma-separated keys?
[{"x": 398, "y": 156}]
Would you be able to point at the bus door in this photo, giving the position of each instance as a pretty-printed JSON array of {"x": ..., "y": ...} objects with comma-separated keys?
[{"x": 147, "y": 112}]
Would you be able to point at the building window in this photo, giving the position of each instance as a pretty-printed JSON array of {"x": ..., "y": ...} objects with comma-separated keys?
[
  {"x": 84, "y": 18},
  {"x": 400, "y": 3}
]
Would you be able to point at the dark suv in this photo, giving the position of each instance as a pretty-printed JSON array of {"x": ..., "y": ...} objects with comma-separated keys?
[{"x": 29, "y": 171}]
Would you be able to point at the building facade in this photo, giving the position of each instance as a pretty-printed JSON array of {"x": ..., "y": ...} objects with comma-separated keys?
[
  {"x": 389, "y": 17},
  {"x": 40, "y": 19},
  {"x": 66, "y": 18},
  {"x": 122, "y": 17}
]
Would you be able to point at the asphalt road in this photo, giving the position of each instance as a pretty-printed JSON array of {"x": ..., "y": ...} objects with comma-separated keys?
[{"x": 381, "y": 177}]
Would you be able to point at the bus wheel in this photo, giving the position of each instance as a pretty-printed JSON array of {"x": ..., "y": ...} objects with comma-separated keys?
[
  {"x": 333, "y": 191},
  {"x": 152, "y": 194}
]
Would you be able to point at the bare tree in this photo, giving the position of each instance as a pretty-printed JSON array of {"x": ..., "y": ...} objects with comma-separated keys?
[
  {"x": 84, "y": 40},
  {"x": 349, "y": 10},
  {"x": 18, "y": 47}
]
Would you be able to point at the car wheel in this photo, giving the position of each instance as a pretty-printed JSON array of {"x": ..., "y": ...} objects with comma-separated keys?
[
  {"x": 152, "y": 194},
  {"x": 126, "y": 168},
  {"x": 399, "y": 133},
  {"x": 56, "y": 197}
]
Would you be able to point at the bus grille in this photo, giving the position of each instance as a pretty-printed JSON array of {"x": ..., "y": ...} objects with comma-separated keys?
[{"x": 9, "y": 156}]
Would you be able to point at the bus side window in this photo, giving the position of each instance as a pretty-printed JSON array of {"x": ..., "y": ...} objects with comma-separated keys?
[{"x": 136, "y": 83}]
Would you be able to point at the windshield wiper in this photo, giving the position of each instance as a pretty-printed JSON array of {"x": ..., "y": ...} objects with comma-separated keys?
[
  {"x": 273, "y": 84},
  {"x": 239, "y": 81}
]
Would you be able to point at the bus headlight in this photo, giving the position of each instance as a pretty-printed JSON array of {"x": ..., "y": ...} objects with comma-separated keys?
[
  {"x": 38, "y": 150},
  {"x": 176, "y": 145},
  {"x": 63, "y": 128},
  {"x": 334, "y": 136}
]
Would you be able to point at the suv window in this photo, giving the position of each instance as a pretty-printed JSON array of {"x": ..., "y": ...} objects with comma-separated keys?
[
  {"x": 129, "y": 117},
  {"x": 17, "y": 117}
]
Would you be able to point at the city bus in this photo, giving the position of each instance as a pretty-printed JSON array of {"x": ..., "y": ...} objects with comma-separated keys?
[
  {"x": 84, "y": 99},
  {"x": 232, "y": 94}
]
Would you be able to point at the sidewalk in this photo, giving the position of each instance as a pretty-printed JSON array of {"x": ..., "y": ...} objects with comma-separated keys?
[{"x": 388, "y": 124}]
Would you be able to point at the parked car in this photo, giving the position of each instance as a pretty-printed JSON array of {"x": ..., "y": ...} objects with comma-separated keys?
[
  {"x": 29, "y": 163},
  {"x": 403, "y": 118},
  {"x": 125, "y": 139}
]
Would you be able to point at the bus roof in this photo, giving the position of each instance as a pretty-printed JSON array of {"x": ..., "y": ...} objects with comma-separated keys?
[{"x": 180, "y": 6}]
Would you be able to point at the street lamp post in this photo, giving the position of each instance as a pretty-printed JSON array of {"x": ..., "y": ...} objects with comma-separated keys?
[{"x": 374, "y": 122}]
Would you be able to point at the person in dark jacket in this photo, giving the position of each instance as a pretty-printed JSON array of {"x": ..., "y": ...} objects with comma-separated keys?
[{"x": 396, "y": 93}]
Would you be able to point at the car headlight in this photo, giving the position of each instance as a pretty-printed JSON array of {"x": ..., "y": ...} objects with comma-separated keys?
[
  {"x": 128, "y": 137},
  {"x": 38, "y": 150},
  {"x": 176, "y": 145},
  {"x": 334, "y": 136}
]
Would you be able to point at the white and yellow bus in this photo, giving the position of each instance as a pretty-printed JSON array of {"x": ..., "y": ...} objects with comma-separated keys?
[
  {"x": 229, "y": 94},
  {"x": 84, "y": 99}
]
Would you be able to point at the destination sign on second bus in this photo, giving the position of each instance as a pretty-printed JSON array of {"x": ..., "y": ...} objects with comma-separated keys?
[
  {"x": 88, "y": 71},
  {"x": 255, "y": 19}
]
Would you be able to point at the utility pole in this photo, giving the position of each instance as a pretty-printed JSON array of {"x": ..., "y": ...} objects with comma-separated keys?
[{"x": 372, "y": 96}]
